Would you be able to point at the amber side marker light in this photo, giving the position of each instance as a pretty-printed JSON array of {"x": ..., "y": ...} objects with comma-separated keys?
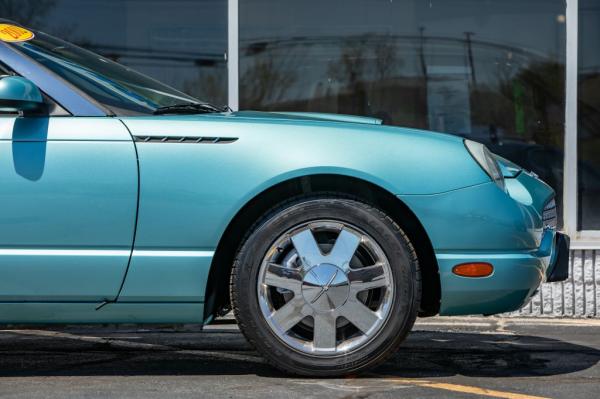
[{"x": 477, "y": 269}]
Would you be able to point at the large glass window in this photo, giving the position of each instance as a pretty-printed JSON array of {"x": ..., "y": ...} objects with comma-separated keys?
[
  {"x": 179, "y": 42},
  {"x": 589, "y": 115},
  {"x": 489, "y": 70}
]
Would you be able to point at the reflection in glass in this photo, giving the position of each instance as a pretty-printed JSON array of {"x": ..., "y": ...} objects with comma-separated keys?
[
  {"x": 492, "y": 71},
  {"x": 180, "y": 42},
  {"x": 588, "y": 134}
]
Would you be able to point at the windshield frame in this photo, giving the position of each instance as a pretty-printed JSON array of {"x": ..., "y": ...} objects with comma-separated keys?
[
  {"x": 68, "y": 96},
  {"x": 58, "y": 82}
]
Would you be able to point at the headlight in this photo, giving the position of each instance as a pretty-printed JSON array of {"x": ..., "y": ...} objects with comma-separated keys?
[{"x": 486, "y": 160}]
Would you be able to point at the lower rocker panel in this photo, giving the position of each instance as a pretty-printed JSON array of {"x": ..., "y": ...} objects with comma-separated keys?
[{"x": 91, "y": 313}]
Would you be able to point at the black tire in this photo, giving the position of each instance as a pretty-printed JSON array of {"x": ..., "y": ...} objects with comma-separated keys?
[{"x": 390, "y": 237}]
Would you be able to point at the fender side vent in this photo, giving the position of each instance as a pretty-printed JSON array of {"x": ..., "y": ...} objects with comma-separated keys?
[{"x": 185, "y": 139}]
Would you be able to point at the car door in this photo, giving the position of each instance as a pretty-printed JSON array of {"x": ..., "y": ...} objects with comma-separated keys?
[{"x": 68, "y": 199}]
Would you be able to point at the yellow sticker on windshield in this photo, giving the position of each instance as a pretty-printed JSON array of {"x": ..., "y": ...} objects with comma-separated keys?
[{"x": 13, "y": 33}]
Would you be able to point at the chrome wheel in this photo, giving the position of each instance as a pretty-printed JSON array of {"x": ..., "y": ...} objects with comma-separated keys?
[{"x": 325, "y": 288}]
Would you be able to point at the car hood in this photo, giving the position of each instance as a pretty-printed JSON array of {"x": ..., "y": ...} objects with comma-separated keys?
[
  {"x": 401, "y": 160},
  {"x": 304, "y": 116}
]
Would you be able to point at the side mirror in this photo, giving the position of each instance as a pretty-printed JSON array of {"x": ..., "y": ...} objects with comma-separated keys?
[{"x": 18, "y": 94}]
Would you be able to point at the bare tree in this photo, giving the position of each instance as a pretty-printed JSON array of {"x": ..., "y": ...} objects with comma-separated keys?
[
  {"x": 386, "y": 58},
  {"x": 208, "y": 86},
  {"x": 268, "y": 78}
]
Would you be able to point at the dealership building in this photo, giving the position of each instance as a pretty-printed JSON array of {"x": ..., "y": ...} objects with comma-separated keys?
[{"x": 521, "y": 76}]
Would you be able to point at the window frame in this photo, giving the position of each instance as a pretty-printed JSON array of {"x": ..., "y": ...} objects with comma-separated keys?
[
  {"x": 580, "y": 239},
  {"x": 66, "y": 95}
]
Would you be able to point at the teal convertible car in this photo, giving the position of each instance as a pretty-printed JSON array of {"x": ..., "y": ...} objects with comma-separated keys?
[{"x": 126, "y": 201}]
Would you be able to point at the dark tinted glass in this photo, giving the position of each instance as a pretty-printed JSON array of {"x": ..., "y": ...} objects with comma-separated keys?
[
  {"x": 489, "y": 70},
  {"x": 119, "y": 88},
  {"x": 180, "y": 42},
  {"x": 589, "y": 115}
]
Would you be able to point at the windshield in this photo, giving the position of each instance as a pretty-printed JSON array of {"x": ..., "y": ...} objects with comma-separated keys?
[{"x": 120, "y": 89}]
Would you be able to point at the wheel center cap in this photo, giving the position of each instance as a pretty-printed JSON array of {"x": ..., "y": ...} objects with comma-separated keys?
[{"x": 325, "y": 287}]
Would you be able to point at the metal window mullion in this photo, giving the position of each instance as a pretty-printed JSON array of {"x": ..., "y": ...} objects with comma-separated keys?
[
  {"x": 570, "y": 160},
  {"x": 233, "y": 94}
]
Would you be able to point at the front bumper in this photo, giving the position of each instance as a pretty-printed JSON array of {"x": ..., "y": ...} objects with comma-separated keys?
[
  {"x": 507, "y": 229},
  {"x": 515, "y": 279}
]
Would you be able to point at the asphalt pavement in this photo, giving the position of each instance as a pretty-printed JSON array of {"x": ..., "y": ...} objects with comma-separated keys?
[{"x": 442, "y": 358}]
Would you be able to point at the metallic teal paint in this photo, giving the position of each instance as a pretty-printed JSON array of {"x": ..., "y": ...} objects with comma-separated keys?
[
  {"x": 189, "y": 193},
  {"x": 271, "y": 149},
  {"x": 19, "y": 93},
  {"x": 308, "y": 116},
  {"x": 89, "y": 313},
  {"x": 85, "y": 198},
  {"x": 69, "y": 197},
  {"x": 167, "y": 277},
  {"x": 483, "y": 217},
  {"x": 489, "y": 225}
]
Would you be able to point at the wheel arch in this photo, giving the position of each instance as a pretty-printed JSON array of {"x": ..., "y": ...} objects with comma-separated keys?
[{"x": 217, "y": 289}]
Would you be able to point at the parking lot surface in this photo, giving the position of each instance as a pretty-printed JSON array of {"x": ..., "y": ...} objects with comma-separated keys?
[{"x": 442, "y": 358}]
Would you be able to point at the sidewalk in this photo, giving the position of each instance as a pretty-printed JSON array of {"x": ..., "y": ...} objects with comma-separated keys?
[{"x": 579, "y": 296}]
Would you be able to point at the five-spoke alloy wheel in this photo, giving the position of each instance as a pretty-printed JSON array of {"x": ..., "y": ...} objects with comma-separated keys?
[{"x": 326, "y": 286}]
